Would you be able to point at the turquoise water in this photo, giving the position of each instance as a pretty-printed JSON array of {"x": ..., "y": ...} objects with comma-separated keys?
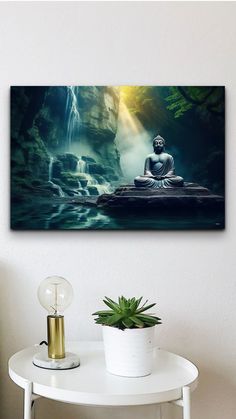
[{"x": 64, "y": 216}]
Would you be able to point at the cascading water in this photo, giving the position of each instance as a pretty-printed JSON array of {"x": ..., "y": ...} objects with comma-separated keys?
[
  {"x": 91, "y": 181},
  {"x": 55, "y": 186},
  {"x": 81, "y": 166},
  {"x": 50, "y": 169},
  {"x": 73, "y": 121},
  {"x": 72, "y": 114}
]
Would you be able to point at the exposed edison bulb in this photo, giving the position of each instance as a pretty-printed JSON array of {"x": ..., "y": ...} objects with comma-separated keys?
[{"x": 55, "y": 295}]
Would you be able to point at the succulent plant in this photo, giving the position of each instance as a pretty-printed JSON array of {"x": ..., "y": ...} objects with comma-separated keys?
[{"x": 126, "y": 314}]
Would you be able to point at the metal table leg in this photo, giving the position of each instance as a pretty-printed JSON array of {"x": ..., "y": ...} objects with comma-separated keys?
[
  {"x": 186, "y": 403},
  {"x": 29, "y": 400}
]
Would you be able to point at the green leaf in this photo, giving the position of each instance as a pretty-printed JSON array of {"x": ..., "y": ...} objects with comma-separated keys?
[
  {"x": 122, "y": 303},
  {"x": 139, "y": 301},
  {"x": 137, "y": 321},
  {"x": 111, "y": 304},
  {"x": 145, "y": 308},
  {"x": 127, "y": 323},
  {"x": 134, "y": 304},
  {"x": 104, "y": 312},
  {"x": 114, "y": 319},
  {"x": 103, "y": 322},
  {"x": 149, "y": 319}
]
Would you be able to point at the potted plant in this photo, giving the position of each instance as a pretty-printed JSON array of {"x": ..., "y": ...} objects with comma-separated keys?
[{"x": 128, "y": 334}]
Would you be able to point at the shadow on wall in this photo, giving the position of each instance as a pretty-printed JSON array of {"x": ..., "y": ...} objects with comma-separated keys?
[
  {"x": 17, "y": 311},
  {"x": 11, "y": 306},
  {"x": 215, "y": 392}
]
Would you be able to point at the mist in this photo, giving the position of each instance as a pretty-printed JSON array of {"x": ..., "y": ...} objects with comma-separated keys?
[{"x": 133, "y": 142}]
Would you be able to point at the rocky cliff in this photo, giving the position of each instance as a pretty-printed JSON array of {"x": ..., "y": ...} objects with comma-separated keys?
[{"x": 54, "y": 128}]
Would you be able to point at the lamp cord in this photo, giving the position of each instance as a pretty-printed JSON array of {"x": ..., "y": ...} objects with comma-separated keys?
[{"x": 43, "y": 343}]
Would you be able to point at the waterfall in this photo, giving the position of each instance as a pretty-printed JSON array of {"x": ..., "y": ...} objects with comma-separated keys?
[
  {"x": 81, "y": 166},
  {"x": 55, "y": 186},
  {"x": 50, "y": 169},
  {"x": 102, "y": 186},
  {"x": 106, "y": 188},
  {"x": 72, "y": 114},
  {"x": 61, "y": 193}
]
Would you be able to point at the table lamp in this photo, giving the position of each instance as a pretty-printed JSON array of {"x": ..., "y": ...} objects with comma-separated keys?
[{"x": 55, "y": 295}]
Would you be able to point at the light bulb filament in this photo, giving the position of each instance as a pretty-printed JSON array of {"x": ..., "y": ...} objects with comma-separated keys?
[{"x": 55, "y": 310}]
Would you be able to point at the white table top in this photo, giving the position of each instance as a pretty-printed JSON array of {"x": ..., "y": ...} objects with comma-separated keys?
[{"x": 90, "y": 383}]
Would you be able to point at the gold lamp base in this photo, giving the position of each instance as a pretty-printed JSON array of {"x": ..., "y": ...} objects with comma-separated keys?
[
  {"x": 54, "y": 357},
  {"x": 56, "y": 337}
]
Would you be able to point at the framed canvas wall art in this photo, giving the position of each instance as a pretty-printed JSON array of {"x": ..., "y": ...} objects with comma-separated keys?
[{"x": 117, "y": 157}]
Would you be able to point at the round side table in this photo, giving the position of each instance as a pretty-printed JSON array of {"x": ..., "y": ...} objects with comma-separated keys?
[{"x": 172, "y": 380}]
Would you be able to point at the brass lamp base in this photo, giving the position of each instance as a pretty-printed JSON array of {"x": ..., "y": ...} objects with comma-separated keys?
[
  {"x": 54, "y": 356},
  {"x": 42, "y": 360},
  {"x": 56, "y": 337}
]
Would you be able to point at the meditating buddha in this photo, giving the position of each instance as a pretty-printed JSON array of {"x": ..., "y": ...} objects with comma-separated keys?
[{"x": 159, "y": 169}]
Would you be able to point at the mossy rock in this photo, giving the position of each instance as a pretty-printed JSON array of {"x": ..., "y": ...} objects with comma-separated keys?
[
  {"x": 110, "y": 170},
  {"x": 57, "y": 168},
  {"x": 93, "y": 190},
  {"x": 58, "y": 181},
  {"x": 22, "y": 183},
  {"x": 36, "y": 182},
  {"x": 70, "y": 192},
  {"x": 83, "y": 183},
  {"x": 88, "y": 159},
  {"x": 69, "y": 161},
  {"x": 100, "y": 179},
  {"x": 69, "y": 179},
  {"x": 82, "y": 179},
  {"x": 95, "y": 168},
  {"x": 80, "y": 176},
  {"x": 18, "y": 157},
  {"x": 111, "y": 178},
  {"x": 82, "y": 191}
]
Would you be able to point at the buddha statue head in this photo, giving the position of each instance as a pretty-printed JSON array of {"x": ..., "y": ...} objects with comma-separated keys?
[{"x": 158, "y": 144}]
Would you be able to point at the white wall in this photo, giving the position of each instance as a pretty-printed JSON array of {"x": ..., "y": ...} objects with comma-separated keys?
[{"x": 190, "y": 274}]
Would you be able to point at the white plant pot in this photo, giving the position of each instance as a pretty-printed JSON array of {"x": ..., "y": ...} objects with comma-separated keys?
[{"x": 129, "y": 352}]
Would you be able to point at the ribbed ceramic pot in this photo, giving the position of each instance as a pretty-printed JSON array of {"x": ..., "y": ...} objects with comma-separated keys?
[{"x": 129, "y": 352}]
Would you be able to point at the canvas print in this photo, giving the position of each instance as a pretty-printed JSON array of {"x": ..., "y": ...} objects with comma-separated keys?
[{"x": 117, "y": 157}]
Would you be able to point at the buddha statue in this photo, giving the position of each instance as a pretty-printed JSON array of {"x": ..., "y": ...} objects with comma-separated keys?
[{"x": 159, "y": 169}]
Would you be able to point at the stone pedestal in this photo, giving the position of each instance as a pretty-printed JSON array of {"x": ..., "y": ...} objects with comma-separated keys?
[{"x": 191, "y": 195}]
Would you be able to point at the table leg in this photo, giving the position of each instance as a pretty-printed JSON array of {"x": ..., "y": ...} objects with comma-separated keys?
[
  {"x": 28, "y": 400},
  {"x": 186, "y": 403}
]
